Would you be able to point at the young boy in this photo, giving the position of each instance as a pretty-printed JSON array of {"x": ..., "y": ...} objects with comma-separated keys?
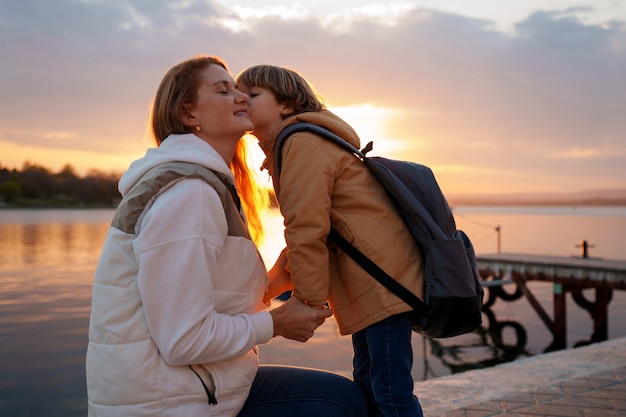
[{"x": 322, "y": 186}]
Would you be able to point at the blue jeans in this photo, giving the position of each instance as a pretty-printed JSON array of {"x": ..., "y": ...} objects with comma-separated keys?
[
  {"x": 383, "y": 358},
  {"x": 290, "y": 391}
]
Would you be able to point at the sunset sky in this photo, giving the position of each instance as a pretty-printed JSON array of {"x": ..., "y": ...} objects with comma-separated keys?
[{"x": 496, "y": 97}]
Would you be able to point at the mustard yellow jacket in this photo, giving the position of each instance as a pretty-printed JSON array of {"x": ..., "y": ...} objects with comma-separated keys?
[{"x": 323, "y": 186}]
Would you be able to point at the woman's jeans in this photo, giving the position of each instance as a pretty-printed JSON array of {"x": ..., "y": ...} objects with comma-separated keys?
[
  {"x": 383, "y": 358},
  {"x": 289, "y": 391}
]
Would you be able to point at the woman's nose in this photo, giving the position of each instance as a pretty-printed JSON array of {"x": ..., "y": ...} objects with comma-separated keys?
[{"x": 241, "y": 97}]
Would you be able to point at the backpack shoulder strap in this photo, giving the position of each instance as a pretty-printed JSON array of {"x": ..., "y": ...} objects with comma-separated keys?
[
  {"x": 377, "y": 272},
  {"x": 131, "y": 209},
  {"x": 308, "y": 127}
]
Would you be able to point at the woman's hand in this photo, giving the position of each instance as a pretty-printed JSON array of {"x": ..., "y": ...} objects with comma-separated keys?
[{"x": 296, "y": 320}]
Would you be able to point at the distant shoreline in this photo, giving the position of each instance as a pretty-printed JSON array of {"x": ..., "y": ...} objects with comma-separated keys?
[
  {"x": 452, "y": 202},
  {"x": 494, "y": 201}
]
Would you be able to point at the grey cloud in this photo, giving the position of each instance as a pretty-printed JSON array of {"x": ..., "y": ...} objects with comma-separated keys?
[
  {"x": 62, "y": 20},
  {"x": 76, "y": 20},
  {"x": 562, "y": 31}
]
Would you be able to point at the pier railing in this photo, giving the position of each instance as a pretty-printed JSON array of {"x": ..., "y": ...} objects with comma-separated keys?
[{"x": 568, "y": 275}]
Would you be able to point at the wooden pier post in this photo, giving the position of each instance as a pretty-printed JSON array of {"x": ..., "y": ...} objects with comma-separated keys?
[{"x": 560, "y": 318}]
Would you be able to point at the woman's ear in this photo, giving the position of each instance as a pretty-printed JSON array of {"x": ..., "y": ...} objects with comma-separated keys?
[{"x": 187, "y": 117}]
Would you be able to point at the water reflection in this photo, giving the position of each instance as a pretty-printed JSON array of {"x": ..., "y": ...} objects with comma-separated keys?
[
  {"x": 496, "y": 343},
  {"x": 45, "y": 286}
]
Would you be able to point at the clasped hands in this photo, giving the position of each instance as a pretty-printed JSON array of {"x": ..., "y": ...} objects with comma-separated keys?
[{"x": 296, "y": 320}]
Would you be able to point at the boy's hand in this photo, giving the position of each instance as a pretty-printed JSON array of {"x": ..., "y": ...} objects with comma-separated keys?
[
  {"x": 280, "y": 279},
  {"x": 296, "y": 320}
]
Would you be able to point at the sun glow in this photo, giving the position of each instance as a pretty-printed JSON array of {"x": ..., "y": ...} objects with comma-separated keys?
[
  {"x": 394, "y": 134},
  {"x": 371, "y": 124}
]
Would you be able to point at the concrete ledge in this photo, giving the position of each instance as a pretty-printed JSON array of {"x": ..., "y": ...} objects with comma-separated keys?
[{"x": 444, "y": 394}]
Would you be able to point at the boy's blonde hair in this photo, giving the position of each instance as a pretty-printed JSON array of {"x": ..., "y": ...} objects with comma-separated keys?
[{"x": 288, "y": 86}]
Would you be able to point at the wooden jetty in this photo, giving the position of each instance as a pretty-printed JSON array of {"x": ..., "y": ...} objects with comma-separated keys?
[{"x": 568, "y": 274}]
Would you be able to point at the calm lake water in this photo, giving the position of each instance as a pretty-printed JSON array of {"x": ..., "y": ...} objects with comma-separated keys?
[{"x": 48, "y": 257}]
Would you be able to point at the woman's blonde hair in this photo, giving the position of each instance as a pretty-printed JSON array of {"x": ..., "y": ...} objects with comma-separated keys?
[
  {"x": 254, "y": 197},
  {"x": 178, "y": 88},
  {"x": 288, "y": 86}
]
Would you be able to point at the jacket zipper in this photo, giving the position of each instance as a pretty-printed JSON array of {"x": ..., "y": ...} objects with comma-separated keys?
[{"x": 210, "y": 395}]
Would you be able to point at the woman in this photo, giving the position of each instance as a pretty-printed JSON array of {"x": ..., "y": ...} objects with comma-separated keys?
[
  {"x": 322, "y": 187},
  {"x": 180, "y": 290}
]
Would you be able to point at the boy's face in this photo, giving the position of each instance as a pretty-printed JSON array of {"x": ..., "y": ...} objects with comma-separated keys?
[{"x": 264, "y": 111}]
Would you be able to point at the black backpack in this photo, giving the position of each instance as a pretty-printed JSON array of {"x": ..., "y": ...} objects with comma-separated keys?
[{"x": 452, "y": 290}]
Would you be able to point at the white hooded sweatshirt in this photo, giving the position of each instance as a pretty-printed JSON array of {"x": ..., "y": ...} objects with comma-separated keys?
[{"x": 176, "y": 285}]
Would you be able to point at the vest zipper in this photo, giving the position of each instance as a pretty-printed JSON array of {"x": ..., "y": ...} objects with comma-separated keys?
[{"x": 210, "y": 395}]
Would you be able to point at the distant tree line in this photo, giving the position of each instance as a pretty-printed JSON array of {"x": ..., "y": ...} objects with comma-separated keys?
[{"x": 37, "y": 186}]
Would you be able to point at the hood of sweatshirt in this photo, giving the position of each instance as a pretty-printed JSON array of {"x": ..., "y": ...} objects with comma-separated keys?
[
  {"x": 325, "y": 119},
  {"x": 175, "y": 148}
]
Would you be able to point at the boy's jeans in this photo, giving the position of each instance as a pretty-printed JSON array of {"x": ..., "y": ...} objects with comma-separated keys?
[{"x": 383, "y": 357}]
